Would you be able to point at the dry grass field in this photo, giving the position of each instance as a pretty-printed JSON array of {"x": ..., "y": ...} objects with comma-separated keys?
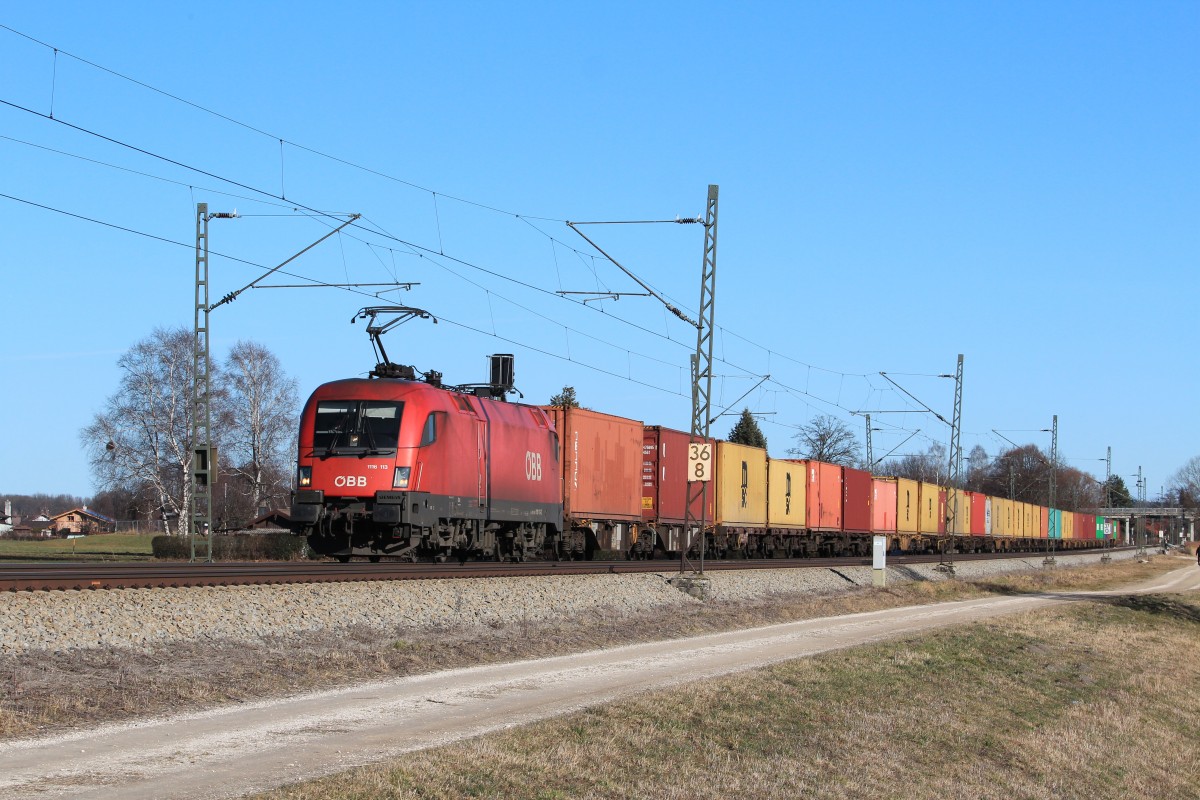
[{"x": 1090, "y": 701}]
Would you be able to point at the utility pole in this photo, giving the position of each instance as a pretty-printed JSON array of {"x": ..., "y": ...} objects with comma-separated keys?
[
  {"x": 1049, "y": 561},
  {"x": 870, "y": 448},
  {"x": 947, "y": 563},
  {"x": 204, "y": 470},
  {"x": 1111, "y": 524},
  {"x": 204, "y": 467},
  {"x": 1108, "y": 479},
  {"x": 697, "y": 492}
]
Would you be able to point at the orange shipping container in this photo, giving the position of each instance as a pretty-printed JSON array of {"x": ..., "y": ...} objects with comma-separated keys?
[
  {"x": 883, "y": 505},
  {"x": 824, "y": 498},
  {"x": 601, "y": 464}
]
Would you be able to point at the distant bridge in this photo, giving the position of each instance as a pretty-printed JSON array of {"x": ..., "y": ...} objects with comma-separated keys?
[
  {"x": 1187, "y": 516},
  {"x": 1145, "y": 511}
]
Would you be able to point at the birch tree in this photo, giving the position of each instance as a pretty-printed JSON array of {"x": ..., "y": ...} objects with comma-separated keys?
[
  {"x": 259, "y": 407},
  {"x": 142, "y": 439}
]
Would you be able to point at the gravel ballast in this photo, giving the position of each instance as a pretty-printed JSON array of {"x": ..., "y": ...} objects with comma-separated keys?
[{"x": 63, "y": 621}]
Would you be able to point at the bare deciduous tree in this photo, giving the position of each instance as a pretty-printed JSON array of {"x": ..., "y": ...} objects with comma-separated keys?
[
  {"x": 932, "y": 466},
  {"x": 1186, "y": 483},
  {"x": 258, "y": 422},
  {"x": 143, "y": 437},
  {"x": 827, "y": 439},
  {"x": 140, "y": 445}
]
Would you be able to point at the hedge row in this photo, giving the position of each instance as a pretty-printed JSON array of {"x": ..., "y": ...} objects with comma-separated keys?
[{"x": 235, "y": 547}]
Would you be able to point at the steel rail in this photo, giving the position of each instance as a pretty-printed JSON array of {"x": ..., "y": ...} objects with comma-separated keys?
[{"x": 16, "y": 577}]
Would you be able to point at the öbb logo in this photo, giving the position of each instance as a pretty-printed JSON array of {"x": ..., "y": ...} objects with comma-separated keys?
[
  {"x": 350, "y": 480},
  {"x": 533, "y": 466}
]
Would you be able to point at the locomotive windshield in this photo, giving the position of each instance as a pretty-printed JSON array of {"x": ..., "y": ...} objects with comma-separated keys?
[{"x": 356, "y": 428}]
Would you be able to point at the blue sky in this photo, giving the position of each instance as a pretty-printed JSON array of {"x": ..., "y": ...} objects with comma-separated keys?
[{"x": 900, "y": 183}]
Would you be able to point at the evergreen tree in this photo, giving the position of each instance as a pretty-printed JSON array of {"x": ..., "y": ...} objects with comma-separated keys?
[
  {"x": 566, "y": 398},
  {"x": 746, "y": 431}
]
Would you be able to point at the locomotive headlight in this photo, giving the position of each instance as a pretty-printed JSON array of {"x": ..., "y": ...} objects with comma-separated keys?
[
  {"x": 304, "y": 476},
  {"x": 400, "y": 477}
]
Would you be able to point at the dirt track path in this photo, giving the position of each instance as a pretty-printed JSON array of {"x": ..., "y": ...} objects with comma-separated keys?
[{"x": 233, "y": 751}]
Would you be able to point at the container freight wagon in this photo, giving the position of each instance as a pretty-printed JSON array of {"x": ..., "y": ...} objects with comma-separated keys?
[
  {"x": 1085, "y": 528},
  {"x": 786, "y": 510},
  {"x": 931, "y": 509},
  {"x": 824, "y": 497},
  {"x": 908, "y": 506},
  {"x": 883, "y": 506},
  {"x": 741, "y": 495},
  {"x": 601, "y": 458},
  {"x": 1001, "y": 518},
  {"x": 961, "y": 525},
  {"x": 856, "y": 500},
  {"x": 979, "y": 513},
  {"x": 665, "y": 489}
]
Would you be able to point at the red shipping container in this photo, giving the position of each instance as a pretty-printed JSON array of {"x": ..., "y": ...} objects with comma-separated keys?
[
  {"x": 1085, "y": 526},
  {"x": 665, "y": 477},
  {"x": 856, "y": 500},
  {"x": 1045, "y": 523},
  {"x": 824, "y": 496},
  {"x": 601, "y": 464},
  {"x": 978, "y": 513},
  {"x": 883, "y": 505}
]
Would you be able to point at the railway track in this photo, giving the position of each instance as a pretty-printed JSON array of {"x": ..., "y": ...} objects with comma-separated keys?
[{"x": 141, "y": 575}]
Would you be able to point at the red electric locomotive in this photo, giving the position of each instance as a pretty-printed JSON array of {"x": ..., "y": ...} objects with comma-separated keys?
[{"x": 396, "y": 466}]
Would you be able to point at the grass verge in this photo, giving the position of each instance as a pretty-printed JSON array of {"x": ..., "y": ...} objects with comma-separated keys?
[
  {"x": 98, "y": 547},
  {"x": 42, "y": 692}
]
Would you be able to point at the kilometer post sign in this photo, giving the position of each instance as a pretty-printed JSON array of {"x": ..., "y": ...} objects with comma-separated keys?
[{"x": 700, "y": 462}]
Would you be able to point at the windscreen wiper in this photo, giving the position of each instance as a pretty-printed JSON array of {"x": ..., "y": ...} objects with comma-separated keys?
[{"x": 337, "y": 431}]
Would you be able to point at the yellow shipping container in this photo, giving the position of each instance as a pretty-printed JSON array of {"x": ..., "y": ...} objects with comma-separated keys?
[
  {"x": 962, "y": 515},
  {"x": 931, "y": 509},
  {"x": 1001, "y": 517},
  {"x": 907, "y": 503},
  {"x": 785, "y": 498},
  {"x": 1038, "y": 513},
  {"x": 1068, "y": 525},
  {"x": 741, "y": 485}
]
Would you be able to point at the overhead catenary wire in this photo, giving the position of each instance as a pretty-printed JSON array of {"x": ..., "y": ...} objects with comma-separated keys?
[
  {"x": 281, "y": 139},
  {"x": 284, "y": 140},
  {"x": 380, "y": 232}
]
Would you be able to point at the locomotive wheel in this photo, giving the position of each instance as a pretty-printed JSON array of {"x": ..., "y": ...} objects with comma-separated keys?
[
  {"x": 343, "y": 559},
  {"x": 373, "y": 559}
]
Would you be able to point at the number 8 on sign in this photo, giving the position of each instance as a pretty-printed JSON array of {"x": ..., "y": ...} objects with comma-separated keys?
[{"x": 699, "y": 462}]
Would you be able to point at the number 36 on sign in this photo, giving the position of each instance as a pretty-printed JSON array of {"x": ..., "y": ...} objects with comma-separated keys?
[{"x": 700, "y": 461}]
